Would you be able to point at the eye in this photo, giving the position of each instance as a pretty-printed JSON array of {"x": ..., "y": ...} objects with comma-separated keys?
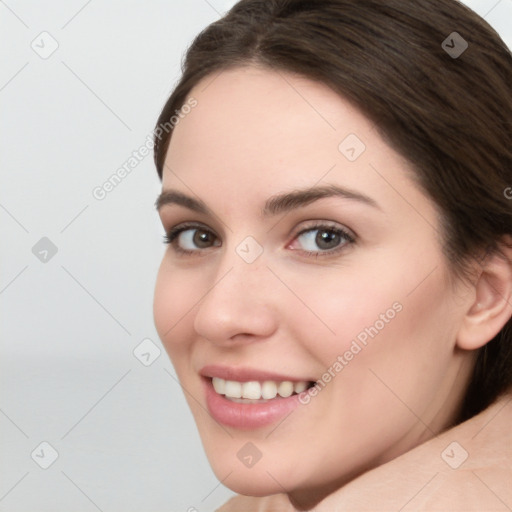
[
  {"x": 321, "y": 239},
  {"x": 186, "y": 238}
]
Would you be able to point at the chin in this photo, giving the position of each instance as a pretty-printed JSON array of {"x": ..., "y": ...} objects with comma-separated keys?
[
  {"x": 275, "y": 473},
  {"x": 250, "y": 481}
]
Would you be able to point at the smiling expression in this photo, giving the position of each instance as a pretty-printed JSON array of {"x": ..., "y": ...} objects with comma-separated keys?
[{"x": 293, "y": 231}]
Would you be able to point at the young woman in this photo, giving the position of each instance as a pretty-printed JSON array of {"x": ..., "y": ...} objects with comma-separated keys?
[{"x": 336, "y": 294}]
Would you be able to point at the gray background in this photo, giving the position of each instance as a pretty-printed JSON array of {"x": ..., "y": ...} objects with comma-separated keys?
[{"x": 71, "y": 320}]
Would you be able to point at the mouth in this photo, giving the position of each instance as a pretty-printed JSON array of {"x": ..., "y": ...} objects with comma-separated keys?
[
  {"x": 249, "y": 399},
  {"x": 256, "y": 392}
]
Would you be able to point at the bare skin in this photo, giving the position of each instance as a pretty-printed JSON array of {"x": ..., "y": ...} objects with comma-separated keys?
[
  {"x": 468, "y": 467},
  {"x": 256, "y": 134}
]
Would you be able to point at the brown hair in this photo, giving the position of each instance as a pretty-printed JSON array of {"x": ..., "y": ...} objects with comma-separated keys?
[{"x": 449, "y": 115}]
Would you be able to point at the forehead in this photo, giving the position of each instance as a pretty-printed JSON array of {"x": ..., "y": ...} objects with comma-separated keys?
[
  {"x": 261, "y": 132},
  {"x": 258, "y": 111}
]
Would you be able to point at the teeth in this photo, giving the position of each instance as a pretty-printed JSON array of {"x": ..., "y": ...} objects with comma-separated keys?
[
  {"x": 219, "y": 385},
  {"x": 285, "y": 389},
  {"x": 299, "y": 387},
  {"x": 251, "y": 390},
  {"x": 233, "y": 389},
  {"x": 268, "y": 390},
  {"x": 254, "y": 390}
]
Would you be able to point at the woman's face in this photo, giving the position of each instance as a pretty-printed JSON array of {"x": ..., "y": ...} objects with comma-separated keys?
[{"x": 302, "y": 251}]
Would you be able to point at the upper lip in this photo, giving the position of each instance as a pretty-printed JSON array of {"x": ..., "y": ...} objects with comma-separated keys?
[{"x": 245, "y": 374}]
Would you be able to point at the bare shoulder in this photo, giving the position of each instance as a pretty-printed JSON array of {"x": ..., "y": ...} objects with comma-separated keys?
[{"x": 468, "y": 467}]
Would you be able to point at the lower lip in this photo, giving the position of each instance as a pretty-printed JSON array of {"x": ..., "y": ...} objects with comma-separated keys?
[{"x": 247, "y": 416}]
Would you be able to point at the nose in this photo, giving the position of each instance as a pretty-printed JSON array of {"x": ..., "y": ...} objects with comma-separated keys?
[{"x": 239, "y": 306}]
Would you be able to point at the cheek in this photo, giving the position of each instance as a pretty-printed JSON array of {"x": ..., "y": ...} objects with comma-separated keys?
[
  {"x": 335, "y": 306},
  {"x": 386, "y": 318},
  {"x": 176, "y": 293}
]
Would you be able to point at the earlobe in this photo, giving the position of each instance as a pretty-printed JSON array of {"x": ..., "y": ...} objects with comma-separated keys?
[{"x": 491, "y": 308}]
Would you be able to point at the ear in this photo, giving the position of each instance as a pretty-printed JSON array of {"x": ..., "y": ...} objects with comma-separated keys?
[{"x": 491, "y": 308}]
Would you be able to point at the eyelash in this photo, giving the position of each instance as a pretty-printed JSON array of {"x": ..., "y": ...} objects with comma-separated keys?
[{"x": 172, "y": 235}]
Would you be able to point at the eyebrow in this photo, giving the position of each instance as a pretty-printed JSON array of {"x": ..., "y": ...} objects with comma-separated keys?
[{"x": 274, "y": 205}]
